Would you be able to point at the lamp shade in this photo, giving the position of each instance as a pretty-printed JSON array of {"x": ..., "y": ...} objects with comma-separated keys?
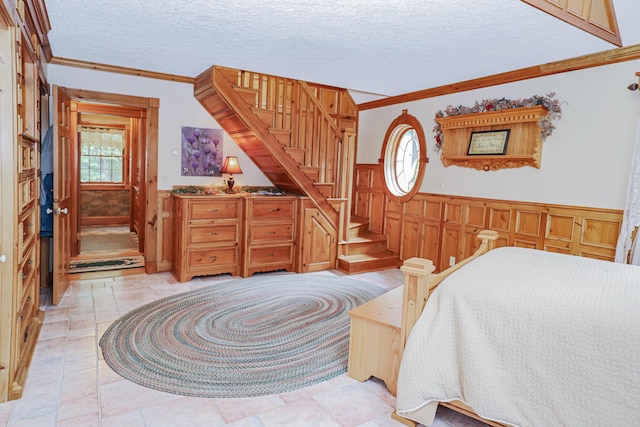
[{"x": 231, "y": 165}]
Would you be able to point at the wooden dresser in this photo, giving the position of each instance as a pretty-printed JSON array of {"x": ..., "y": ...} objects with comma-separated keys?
[
  {"x": 239, "y": 234},
  {"x": 269, "y": 234},
  {"x": 207, "y": 232}
]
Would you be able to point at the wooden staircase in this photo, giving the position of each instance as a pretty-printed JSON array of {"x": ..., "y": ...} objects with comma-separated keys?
[
  {"x": 364, "y": 250},
  {"x": 302, "y": 136}
]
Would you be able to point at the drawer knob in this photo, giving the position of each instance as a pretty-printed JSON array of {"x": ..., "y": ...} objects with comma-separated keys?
[
  {"x": 272, "y": 254},
  {"x": 213, "y": 210},
  {"x": 213, "y": 257},
  {"x": 274, "y": 210},
  {"x": 271, "y": 232},
  {"x": 213, "y": 233}
]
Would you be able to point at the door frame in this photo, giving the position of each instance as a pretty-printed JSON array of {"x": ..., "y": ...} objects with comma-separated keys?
[{"x": 150, "y": 179}]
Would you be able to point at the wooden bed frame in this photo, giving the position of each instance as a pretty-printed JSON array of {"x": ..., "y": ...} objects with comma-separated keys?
[{"x": 419, "y": 283}]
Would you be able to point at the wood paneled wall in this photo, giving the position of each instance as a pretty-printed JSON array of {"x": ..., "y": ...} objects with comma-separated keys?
[{"x": 444, "y": 228}]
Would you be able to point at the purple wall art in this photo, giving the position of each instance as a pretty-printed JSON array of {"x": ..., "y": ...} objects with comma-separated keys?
[{"x": 201, "y": 151}]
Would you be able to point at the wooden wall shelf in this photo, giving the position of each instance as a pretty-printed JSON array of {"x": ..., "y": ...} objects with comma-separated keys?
[{"x": 524, "y": 147}]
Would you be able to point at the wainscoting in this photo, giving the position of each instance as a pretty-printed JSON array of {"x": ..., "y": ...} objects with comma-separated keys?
[{"x": 443, "y": 228}]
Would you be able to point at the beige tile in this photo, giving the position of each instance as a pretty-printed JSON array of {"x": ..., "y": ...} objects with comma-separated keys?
[
  {"x": 128, "y": 419},
  {"x": 54, "y": 330},
  {"x": 45, "y": 371},
  {"x": 306, "y": 392},
  {"x": 236, "y": 409},
  {"x": 87, "y": 420},
  {"x": 125, "y": 396},
  {"x": 303, "y": 412},
  {"x": 49, "y": 349},
  {"x": 80, "y": 364},
  {"x": 352, "y": 404},
  {"x": 107, "y": 375},
  {"x": 78, "y": 348},
  {"x": 386, "y": 421},
  {"x": 185, "y": 411},
  {"x": 45, "y": 420},
  {"x": 80, "y": 383},
  {"x": 83, "y": 405},
  {"x": 5, "y": 412}
]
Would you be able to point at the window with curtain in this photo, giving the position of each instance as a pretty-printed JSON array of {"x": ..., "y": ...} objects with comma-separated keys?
[{"x": 102, "y": 155}]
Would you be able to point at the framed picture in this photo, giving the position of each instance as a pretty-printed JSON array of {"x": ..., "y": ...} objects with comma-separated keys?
[
  {"x": 492, "y": 142},
  {"x": 201, "y": 151}
]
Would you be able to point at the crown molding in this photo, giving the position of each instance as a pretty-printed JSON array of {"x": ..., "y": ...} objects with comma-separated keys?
[
  {"x": 572, "y": 64},
  {"x": 120, "y": 70}
]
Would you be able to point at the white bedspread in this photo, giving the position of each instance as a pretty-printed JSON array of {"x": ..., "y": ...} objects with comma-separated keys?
[{"x": 529, "y": 338}]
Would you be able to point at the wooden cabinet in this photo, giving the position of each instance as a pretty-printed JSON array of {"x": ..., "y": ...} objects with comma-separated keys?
[
  {"x": 270, "y": 233},
  {"x": 207, "y": 236},
  {"x": 22, "y": 81},
  {"x": 238, "y": 234}
]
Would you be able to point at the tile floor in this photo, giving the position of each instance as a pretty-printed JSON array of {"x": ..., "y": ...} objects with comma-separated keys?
[{"x": 70, "y": 385}]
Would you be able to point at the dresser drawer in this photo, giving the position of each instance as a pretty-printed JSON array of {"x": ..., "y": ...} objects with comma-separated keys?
[
  {"x": 27, "y": 230},
  {"x": 272, "y": 208},
  {"x": 271, "y": 254},
  {"x": 27, "y": 271},
  {"x": 214, "y": 210},
  {"x": 26, "y": 193},
  {"x": 224, "y": 233},
  {"x": 211, "y": 258},
  {"x": 264, "y": 232},
  {"x": 24, "y": 316}
]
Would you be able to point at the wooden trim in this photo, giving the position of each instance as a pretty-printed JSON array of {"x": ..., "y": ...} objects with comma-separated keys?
[
  {"x": 104, "y": 220},
  {"x": 120, "y": 70},
  {"x": 583, "y": 19},
  {"x": 613, "y": 56}
]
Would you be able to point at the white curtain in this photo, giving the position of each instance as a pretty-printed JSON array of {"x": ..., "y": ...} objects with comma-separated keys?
[
  {"x": 631, "y": 218},
  {"x": 96, "y": 140}
]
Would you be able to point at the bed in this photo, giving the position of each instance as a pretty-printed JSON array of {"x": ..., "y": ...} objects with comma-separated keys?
[{"x": 522, "y": 337}]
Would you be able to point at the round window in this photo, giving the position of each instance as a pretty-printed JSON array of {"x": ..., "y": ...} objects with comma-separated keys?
[{"x": 404, "y": 157}]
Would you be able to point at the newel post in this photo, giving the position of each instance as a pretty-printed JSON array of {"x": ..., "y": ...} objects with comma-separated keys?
[{"x": 416, "y": 291}]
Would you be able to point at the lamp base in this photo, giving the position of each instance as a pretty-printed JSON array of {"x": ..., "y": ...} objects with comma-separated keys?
[{"x": 230, "y": 183}]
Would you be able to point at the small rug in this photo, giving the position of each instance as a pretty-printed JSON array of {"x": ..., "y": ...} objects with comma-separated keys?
[
  {"x": 106, "y": 264},
  {"x": 247, "y": 337},
  {"x": 108, "y": 242}
]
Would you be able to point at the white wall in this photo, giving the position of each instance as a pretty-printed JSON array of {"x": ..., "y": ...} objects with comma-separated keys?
[
  {"x": 585, "y": 162},
  {"x": 178, "y": 107}
]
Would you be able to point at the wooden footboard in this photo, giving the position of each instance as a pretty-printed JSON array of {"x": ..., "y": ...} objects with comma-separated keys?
[{"x": 419, "y": 283}]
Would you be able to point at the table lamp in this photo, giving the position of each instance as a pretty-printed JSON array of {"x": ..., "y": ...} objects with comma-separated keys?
[{"x": 231, "y": 166}]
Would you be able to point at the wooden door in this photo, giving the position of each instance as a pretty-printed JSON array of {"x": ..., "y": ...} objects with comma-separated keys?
[
  {"x": 319, "y": 248},
  {"x": 62, "y": 185}
]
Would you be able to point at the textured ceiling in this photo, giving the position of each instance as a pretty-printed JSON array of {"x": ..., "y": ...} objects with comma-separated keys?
[{"x": 386, "y": 47}]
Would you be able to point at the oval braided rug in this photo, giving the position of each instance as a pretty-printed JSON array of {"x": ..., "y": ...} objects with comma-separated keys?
[{"x": 247, "y": 337}]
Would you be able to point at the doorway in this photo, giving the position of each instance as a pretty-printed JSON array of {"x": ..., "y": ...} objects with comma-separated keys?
[
  {"x": 108, "y": 142},
  {"x": 114, "y": 184}
]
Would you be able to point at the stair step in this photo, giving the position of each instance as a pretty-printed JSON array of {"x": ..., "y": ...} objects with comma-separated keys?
[
  {"x": 266, "y": 116},
  {"x": 250, "y": 95},
  {"x": 312, "y": 172},
  {"x": 282, "y": 135},
  {"x": 297, "y": 154},
  {"x": 358, "y": 225},
  {"x": 359, "y": 263},
  {"x": 365, "y": 243},
  {"x": 326, "y": 188}
]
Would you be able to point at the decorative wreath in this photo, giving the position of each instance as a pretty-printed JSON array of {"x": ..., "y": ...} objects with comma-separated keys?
[{"x": 546, "y": 126}]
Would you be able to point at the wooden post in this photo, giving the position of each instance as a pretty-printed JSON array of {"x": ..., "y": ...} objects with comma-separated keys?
[{"x": 416, "y": 292}]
